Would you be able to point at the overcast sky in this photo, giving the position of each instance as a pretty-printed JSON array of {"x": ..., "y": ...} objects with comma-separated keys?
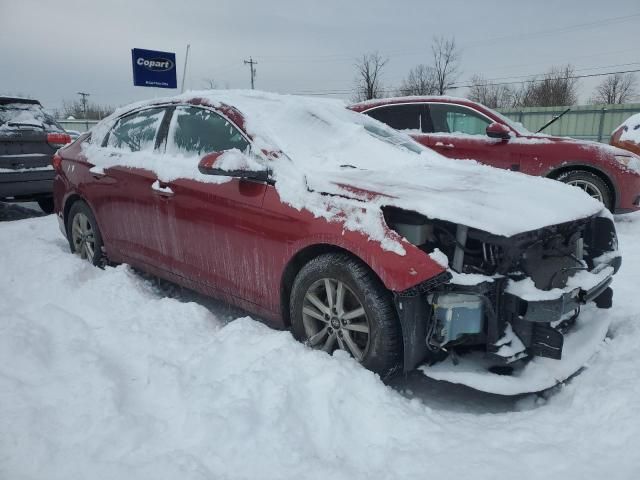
[{"x": 52, "y": 49}]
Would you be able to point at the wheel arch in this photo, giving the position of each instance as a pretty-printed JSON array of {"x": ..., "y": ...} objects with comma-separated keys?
[
  {"x": 68, "y": 203},
  {"x": 299, "y": 260},
  {"x": 581, "y": 166}
]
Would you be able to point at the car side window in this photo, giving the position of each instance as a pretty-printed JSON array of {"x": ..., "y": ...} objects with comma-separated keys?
[
  {"x": 400, "y": 117},
  {"x": 137, "y": 131},
  {"x": 457, "y": 119},
  {"x": 198, "y": 131}
]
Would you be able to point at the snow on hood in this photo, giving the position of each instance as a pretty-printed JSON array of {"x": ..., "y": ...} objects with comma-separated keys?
[
  {"x": 330, "y": 149},
  {"x": 467, "y": 193}
]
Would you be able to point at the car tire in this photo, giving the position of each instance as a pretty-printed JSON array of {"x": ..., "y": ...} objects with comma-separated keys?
[
  {"x": 357, "y": 316},
  {"x": 46, "y": 204},
  {"x": 591, "y": 183},
  {"x": 84, "y": 235}
]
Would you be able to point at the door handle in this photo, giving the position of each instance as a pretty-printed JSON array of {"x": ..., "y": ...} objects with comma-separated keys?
[
  {"x": 444, "y": 145},
  {"x": 161, "y": 188}
]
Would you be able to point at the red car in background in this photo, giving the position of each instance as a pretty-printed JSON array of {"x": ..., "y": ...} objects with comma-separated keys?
[{"x": 462, "y": 129}]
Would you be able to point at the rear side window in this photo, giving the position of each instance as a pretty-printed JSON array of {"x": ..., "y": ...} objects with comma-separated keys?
[
  {"x": 198, "y": 131},
  {"x": 400, "y": 117},
  {"x": 137, "y": 131},
  {"x": 448, "y": 118}
]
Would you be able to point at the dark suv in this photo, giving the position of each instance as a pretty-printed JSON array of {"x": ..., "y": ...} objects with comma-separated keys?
[{"x": 29, "y": 137}]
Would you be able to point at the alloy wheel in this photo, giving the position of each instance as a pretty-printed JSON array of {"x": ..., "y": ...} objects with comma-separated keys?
[
  {"x": 83, "y": 237},
  {"x": 588, "y": 187},
  {"x": 334, "y": 318}
]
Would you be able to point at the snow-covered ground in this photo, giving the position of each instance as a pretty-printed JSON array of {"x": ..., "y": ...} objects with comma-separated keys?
[{"x": 106, "y": 374}]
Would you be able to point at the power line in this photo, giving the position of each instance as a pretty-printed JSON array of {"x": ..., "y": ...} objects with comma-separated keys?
[
  {"x": 466, "y": 85},
  {"x": 536, "y": 80},
  {"x": 472, "y": 44}
]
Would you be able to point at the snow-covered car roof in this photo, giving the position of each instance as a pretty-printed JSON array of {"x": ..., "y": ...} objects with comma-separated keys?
[{"x": 331, "y": 149}]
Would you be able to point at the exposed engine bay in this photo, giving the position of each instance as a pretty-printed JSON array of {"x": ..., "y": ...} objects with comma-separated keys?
[{"x": 511, "y": 297}]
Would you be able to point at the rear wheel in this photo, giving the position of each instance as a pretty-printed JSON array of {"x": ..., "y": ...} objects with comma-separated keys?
[
  {"x": 46, "y": 204},
  {"x": 84, "y": 235},
  {"x": 338, "y": 304},
  {"x": 591, "y": 183}
]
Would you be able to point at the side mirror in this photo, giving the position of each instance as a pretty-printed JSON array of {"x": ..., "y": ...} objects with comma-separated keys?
[
  {"x": 232, "y": 163},
  {"x": 498, "y": 130}
]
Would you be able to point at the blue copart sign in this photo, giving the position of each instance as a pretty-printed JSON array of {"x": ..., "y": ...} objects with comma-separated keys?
[{"x": 154, "y": 69}]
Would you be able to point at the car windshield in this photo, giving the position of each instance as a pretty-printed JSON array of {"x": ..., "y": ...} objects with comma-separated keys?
[
  {"x": 17, "y": 115},
  {"x": 517, "y": 126},
  {"x": 393, "y": 137}
]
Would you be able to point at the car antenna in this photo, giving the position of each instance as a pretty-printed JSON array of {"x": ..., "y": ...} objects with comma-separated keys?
[{"x": 553, "y": 120}]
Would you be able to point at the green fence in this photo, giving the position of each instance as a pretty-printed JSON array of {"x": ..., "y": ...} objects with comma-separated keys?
[{"x": 589, "y": 122}]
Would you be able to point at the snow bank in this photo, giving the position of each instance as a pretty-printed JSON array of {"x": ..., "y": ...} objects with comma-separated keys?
[{"x": 103, "y": 377}]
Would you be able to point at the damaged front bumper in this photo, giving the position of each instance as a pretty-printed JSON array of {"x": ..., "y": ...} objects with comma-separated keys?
[
  {"x": 519, "y": 324},
  {"x": 540, "y": 323},
  {"x": 537, "y": 373}
]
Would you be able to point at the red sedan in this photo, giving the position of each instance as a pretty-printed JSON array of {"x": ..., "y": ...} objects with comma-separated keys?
[
  {"x": 462, "y": 129},
  {"x": 322, "y": 220}
]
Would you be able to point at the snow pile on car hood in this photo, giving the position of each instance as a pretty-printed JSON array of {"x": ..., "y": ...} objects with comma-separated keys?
[
  {"x": 103, "y": 377},
  {"x": 328, "y": 147}
]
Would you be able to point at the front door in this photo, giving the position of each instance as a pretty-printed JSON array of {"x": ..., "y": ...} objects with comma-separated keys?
[
  {"x": 459, "y": 132},
  {"x": 217, "y": 220}
]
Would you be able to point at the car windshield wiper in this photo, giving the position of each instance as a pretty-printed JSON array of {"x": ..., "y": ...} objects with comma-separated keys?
[{"x": 557, "y": 117}]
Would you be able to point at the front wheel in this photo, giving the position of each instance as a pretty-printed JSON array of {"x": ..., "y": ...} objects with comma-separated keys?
[
  {"x": 84, "y": 235},
  {"x": 338, "y": 303},
  {"x": 591, "y": 183}
]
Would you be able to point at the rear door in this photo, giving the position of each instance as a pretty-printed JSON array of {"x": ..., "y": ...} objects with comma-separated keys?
[
  {"x": 217, "y": 236},
  {"x": 130, "y": 211},
  {"x": 457, "y": 131},
  {"x": 406, "y": 117}
]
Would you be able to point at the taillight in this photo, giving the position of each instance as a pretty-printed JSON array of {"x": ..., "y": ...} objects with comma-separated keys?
[
  {"x": 56, "y": 161},
  {"x": 57, "y": 140}
]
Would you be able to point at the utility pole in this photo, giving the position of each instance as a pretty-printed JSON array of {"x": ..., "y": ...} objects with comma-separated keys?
[
  {"x": 84, "y": 103},
  {"x": 251, "y": 64},
  {"x": 184, "y": 71}
]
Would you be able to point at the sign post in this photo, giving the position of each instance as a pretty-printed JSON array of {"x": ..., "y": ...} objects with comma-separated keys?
[{"x": 152, "y": 68}]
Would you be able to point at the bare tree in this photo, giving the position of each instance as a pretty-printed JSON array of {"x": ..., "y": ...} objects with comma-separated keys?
[
  {"x": 446, "y": 59},
  {"x": 368, "y": 82},
  {"x": 617, "y": 88},
  {"x": 557, "y": 87},
  {"x": 421, "y": 80},
  {"x": 75, "y": 109},
  {"x": 491, "y": 95}
]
